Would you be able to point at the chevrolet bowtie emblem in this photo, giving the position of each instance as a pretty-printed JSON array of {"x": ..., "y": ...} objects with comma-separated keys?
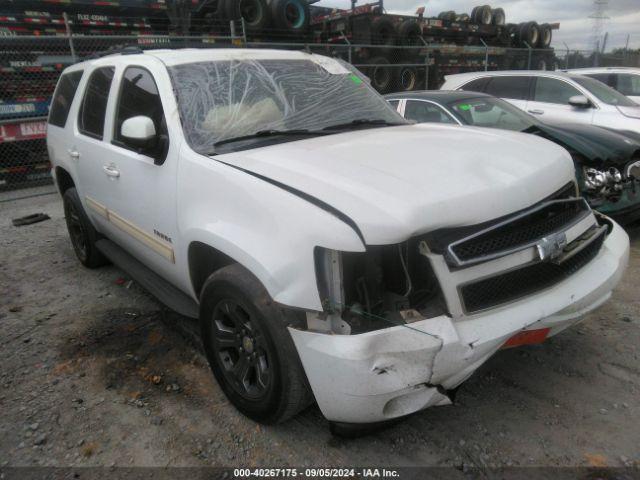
[{"x": 551, "y": 247}]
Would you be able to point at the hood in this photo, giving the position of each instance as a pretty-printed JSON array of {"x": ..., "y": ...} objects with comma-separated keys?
[
  {"x": 397, "y": 182},
  {"x": 597, "y": 145}
]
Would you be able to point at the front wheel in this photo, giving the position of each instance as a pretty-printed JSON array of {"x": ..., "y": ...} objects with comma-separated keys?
[{"x": 249, "y": 349}]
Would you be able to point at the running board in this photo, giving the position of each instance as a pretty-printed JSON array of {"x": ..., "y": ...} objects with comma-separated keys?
[{"x": 152, "y": 282}]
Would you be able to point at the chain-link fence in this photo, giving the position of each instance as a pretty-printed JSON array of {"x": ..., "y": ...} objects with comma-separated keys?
[{"x": 31, "y": 64}]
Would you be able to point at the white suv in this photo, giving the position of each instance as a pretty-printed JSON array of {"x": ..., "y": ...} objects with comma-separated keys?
[
  {"x": 555, "y": 97},
  {"x": 625, "y": 80},
  {"x": 330, "y": 249}
]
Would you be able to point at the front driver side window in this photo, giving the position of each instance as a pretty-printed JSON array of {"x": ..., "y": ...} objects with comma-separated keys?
[
  {"x": 551, "y": 90},
  {"x": 425, "y": 112},
  {"x": 138, "y": 97}
]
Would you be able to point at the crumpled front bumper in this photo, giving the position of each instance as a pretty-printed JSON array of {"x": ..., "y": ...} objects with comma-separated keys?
[{"x": 396, "y": 371}]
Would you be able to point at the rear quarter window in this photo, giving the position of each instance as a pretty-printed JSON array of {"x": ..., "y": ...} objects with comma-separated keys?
[{"x": 63, "y": 97}]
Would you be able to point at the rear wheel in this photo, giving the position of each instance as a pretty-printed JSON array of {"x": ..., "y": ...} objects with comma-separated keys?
[
  {"x": 82, "y": 233},
  {"x": 249, "y": 349}
]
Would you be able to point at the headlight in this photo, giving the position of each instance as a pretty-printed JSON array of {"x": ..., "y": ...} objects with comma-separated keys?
[{"x": 384, "y": 286}]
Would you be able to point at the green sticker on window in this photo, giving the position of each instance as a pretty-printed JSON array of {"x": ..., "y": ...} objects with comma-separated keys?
[
  {"x": 464, "y": 107},
  {"x": 355, "y": 79}
]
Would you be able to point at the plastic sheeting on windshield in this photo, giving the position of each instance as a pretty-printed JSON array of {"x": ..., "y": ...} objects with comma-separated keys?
[{"x": 222, "y": 100}]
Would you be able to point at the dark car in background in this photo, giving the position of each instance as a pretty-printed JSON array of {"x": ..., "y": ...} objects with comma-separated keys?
[{"x": 607, "y": 162}]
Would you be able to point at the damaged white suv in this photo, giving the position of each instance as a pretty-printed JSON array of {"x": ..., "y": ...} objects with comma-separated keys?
[{"x": 331, "y": 250}]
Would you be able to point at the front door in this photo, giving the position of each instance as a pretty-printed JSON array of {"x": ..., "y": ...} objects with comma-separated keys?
[{"x": 550, "y": 102}]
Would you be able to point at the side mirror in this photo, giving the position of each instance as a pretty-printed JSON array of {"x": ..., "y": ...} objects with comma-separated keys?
[
  {"x": 579, "y": 101},
  {"x": 140, "y": 133}
]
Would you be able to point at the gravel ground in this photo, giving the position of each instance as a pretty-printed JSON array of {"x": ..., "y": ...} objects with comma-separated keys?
[{"x": 94, "y": 372}]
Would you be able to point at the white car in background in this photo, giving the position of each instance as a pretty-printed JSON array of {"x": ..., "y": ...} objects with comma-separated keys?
[
  {"x": 625, "y": 80},
  {"x": 331, "y": 250},
  {"x": 555, "y": 97}
]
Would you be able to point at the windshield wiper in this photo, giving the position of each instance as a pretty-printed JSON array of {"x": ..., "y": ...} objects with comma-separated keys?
[
  {"x": 362, "y": 121},
  {"x": 267, "y": 133}
]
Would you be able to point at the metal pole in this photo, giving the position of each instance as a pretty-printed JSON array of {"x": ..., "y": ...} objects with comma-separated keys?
[
  {"x": 566, "y": 59},
  {"x": 344, "y": 37},
  {"x": 232, "y": 28},
  {"x": 69, "y": 36},
  {"x": 426, "y": 71},
  {"x": 244, "y": 32},
  {"x": 426, "y": 64},
  {"x": 529, "y": 60},
  {"x": 596, "y": 54},
  {"x": 486, "y": 55}
]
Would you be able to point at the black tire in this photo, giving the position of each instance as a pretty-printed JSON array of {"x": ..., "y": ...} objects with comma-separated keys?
[
  {"x": 255, "y": 13},
  {"x": 498, "y": 17},
  {"x": 409, "y": 33},
  {"x": 407, "y": 79},
  {"x": 528, "y": 34},
  {"x": 463, "y": 17},
  {"x": 473, "y": 14},
  {"x": 243, "y": 329},
  {"x": 292, "y": 15},
  {"x": 383, "y": 32},
  {"x": 381, "y": 76},
  {"x": 483, "y": 15},
  {"x": 82, "y": 233},
  {"x": 544, "y": 40}
]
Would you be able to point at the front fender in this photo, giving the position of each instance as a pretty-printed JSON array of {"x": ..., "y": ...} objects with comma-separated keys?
[{"x": 268, "y": 230}]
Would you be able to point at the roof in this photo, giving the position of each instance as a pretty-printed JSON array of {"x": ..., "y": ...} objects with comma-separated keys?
[
  {"x": 471, "y": 75},
  {"x": 603, "y": 70},
  {"x": 192, "y": 55},
  {"x": 440, "y": 96}
]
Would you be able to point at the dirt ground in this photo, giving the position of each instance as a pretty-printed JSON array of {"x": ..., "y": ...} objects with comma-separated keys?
[{"x": 94, "y": 372}]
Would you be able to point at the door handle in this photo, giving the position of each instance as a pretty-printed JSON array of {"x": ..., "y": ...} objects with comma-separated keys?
[
  {"x": 73, "y": 154},
  {"x": 111, "y": 170},
  {"x": 536, "y": 112}
]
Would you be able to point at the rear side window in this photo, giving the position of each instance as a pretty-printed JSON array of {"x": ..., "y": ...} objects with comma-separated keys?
[
  {"x": 514, "y": 88},
  {"x": 628, "y": 84},
  {"x": 138, "y": 96},
  {"x": 603, "y": 77},
  {"x": 63, "y": 97},
  {"x": 476, "y": 85},
  {"x": 551, "y": 90},
  {"x": 94, "y": 103}
]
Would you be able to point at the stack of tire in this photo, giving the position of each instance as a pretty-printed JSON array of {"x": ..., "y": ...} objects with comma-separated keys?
[
  {"x": 386, "y": 37},
  {"x": 287, "y": 16},
  {"x": 531, "y": 34},
  {"x": 484, "y": 15}
]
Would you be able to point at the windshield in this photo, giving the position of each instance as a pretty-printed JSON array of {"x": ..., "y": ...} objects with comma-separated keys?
[
  {"x": 492, "y": 113},
  {"x": 224, "y": 100},
  {"x": 602, "y": 92}
]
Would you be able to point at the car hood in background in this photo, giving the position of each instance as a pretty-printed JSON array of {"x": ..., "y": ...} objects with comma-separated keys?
[
  {"x": 599, "y": 146},
  {"x": 396, "y": 182}
]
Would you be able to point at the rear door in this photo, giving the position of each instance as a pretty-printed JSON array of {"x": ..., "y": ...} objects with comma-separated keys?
[
  {"x": 88, "y": 148},
  {"x": 550, "y": 102}
]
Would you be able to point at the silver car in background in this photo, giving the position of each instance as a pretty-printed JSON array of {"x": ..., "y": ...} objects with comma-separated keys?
[
  {"x": 555, "y": 97},
  {"x": 625, "y": 80}
]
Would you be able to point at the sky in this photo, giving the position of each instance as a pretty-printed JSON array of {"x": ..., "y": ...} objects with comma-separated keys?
[{"x": 573, "y": 15}]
